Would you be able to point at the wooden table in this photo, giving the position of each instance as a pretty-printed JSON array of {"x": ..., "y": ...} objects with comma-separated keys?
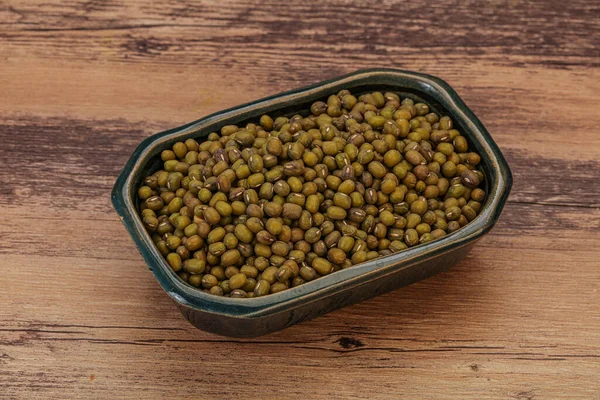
[{"x": 83, "y": 82}]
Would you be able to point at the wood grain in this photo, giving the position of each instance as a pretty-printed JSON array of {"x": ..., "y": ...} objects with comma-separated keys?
[{"x": 82, "y": 82}]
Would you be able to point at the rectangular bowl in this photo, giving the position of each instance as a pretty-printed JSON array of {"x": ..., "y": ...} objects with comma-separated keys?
[{"x": 258, "y": 316}]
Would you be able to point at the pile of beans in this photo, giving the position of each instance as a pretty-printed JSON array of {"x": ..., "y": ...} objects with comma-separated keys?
[{"x": 260, "y": 208}]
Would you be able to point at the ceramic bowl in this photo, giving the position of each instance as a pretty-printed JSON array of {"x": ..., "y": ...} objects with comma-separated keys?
[{"x": 258, "y": 316}]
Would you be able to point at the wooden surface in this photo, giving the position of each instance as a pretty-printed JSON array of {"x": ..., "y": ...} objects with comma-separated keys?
[{"x": 83, "y": 82}]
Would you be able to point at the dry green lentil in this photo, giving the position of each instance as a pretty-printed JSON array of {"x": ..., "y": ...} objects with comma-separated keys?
[
  {"x": 269, "y": 206},
  {"x": 237, "y": 281}
]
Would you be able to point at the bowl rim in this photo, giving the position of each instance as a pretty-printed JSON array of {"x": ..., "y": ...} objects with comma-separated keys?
[{"x": 192, "y": 297}]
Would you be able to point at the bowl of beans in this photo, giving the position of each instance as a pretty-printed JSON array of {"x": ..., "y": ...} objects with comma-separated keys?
[{"x": 264, "y": 215}]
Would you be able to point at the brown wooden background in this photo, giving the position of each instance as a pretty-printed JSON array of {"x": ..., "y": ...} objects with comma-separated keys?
[{"x": 83, "y": 82}]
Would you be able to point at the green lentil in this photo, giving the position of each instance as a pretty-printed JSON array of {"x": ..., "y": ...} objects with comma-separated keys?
[{"x": 259, "y": 208}]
